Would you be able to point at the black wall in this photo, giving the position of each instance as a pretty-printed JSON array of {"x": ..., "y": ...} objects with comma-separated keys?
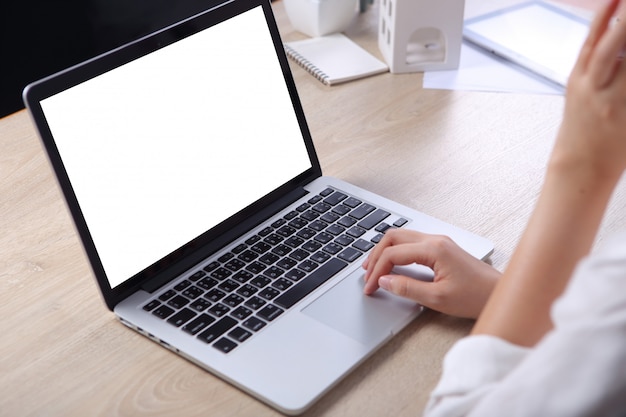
[{"x": 41, "y": 37}]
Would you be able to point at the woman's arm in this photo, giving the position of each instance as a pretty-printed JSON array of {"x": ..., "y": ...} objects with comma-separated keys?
[{"x": 587, "y": 161}]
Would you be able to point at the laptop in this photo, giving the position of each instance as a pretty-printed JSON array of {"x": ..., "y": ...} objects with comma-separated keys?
[
  {"x": 194, "y": 185},
  {"x": 539, "y": 37}
]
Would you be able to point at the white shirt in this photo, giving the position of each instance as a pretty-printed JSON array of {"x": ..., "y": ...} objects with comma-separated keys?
[{"x": 577, "y": 369}]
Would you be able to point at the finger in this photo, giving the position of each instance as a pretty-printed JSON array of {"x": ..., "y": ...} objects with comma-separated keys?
[
  {"x": 405, "y": 254},
  {"x": 393, "y": 237},
  {"x": 424, "y": 293},
  {"x": 597, "y": 28},
  {"x": 604, "y": 61}
]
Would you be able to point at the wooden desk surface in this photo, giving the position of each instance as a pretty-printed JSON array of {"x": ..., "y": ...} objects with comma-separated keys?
[{"x": 473, "y": 159}]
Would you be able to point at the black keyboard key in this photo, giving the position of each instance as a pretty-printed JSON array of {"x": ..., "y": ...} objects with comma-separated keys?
[
  {"x": 286, "y": 231},
  {"x": 363, "y": 245},
  {"x": 347, "y": 221},
  {"x": 266, "y": 231},
  {"x": 210, "y": 267},
  {"x": 261, "y": 247},
  {"x": 327, "y": 192},
  {"x": 243, "y": 276},
  {"x": 317, "y": 278},
  {"x": 182, "y": 317},
  {"x": 286, "y": 263},
  {"x": 298, "y": 223},
  {"x": 178, "y": 302},
  {"x": 197, "y": 324},
  {"x": 235, "y": 264},
  {"x": 373, "y": 219},
  {"x": 239, "y": 248},
  {"x": 239, "y": 334},
  {"x": 225, "y": 257},
  {"x": 196, "y": 276},
  {"x": 356, "y": 231},
  {"x": 163, "y": 312},
  {"x": 307, "y": 265},
  {"x": 252, "y": 240},
  {"x": 193, "y": 292},
  {"x": 219, "y": 310},
  {"x": 335, "y": 198},
  {"x": 273, "y": 239},
  {"x": 247, "y": 290},
  {"x": 273, "y": 272},
  {"x": 229, "y": 285},
  {"x": 318, "y": 225},
  {"x": 269, "y": 258},
  {"x": 270, "y": 312},
  {"x": 221, "y": 273},
  {"x": 336, "y": 229},
  {"x": 310, "y": 215},
  {"x": 332, "y": 248},
  {"x": 341, "y": 210},
  {"x": 322, "y": 207},
  {"x": 233, "y": 300},
  {"x": 320, "y": 257},
  {"x": 167, "y": 295},
  {"x": 225, "y": 345},
  {"x": 255, "y": 267},
  {"x": 306, "y": 233},
  {"x": 291, "y": 215},
  {"x": 282, "y": 284},
  {"x": 200, "y": 304},
  {"x": 344, "y": 240},
  {"x": 214, "y": 295},
  {"x": 254, "y": 324},
  {"x": 324, "y": 237},
  {"x": 207, "y": 283},
  {"x": 352, "y": 202},
  {"x": 260, "y": 281},
  {"x": 362, "y": 211},
  {"x": 330, "y": 217},
  {"x": 269, "y": 293},
  {"x": 350, "y": 254},
  {"x": 151, "y": 305},
  {"x": 299, "y": 254},
  {"x": 295, "y": 275},
  {"x": 216, "y": 330},
  {"x": 400, "y": 222},
  {"x": 248, "y": 255},
  {"x": 241, "y": 313},
  {"x": 294, "y": 241},
  {"x": 255, "y": 303}
]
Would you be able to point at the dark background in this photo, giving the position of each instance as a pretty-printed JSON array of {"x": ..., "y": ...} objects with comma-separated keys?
[{"x": 41, "y": 37}]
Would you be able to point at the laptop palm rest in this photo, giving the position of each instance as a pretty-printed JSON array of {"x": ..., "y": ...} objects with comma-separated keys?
[{"x": 366, "y": 319}]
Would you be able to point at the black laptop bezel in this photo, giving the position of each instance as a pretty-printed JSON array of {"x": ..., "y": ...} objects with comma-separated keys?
[{"x": 212, "y": 240}]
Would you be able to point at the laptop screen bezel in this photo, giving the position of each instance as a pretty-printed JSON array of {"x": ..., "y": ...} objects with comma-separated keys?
[{"x": 212, "y": 240}]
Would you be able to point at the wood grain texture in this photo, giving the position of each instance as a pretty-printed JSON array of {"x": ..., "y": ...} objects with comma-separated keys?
[{"x": 473, "y": 159}]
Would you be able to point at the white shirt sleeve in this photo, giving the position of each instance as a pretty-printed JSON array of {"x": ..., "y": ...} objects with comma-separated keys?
[{"x": 577, "y": 369}]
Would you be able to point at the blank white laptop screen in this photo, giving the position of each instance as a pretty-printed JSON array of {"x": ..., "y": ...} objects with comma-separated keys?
[{"x": 194, "y": 150}]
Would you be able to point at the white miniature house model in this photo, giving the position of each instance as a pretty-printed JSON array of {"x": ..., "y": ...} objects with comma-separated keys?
[{"x": 421, "y": 35}]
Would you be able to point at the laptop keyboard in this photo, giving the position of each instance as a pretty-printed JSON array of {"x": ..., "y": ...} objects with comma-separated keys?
[{"x": 234, "y": 296}]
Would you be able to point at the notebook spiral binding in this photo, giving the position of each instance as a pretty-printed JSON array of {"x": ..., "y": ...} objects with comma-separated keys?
[{"x": 307, "y": 65}]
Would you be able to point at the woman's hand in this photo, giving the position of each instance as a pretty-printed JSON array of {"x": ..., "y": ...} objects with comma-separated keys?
[{"x": 461, "y": 283}]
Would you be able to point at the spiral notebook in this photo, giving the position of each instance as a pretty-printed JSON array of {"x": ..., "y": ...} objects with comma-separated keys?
[{"x": 334, "y": 59}]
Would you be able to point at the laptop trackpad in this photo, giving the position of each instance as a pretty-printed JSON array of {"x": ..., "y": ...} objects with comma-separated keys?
[{"x": 367, "y": 319}]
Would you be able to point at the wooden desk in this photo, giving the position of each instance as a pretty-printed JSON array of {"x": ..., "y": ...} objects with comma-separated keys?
[{"x": 473, "y": 159}]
